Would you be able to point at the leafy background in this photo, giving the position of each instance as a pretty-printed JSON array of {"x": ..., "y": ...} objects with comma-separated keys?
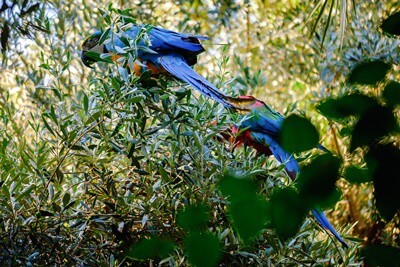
[{"x": 102, "y": 168}]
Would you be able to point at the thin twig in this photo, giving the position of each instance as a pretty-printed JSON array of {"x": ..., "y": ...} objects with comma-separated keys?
[
  {"x": 68, "y": 150},
  {"x": 335, "y": 139}
]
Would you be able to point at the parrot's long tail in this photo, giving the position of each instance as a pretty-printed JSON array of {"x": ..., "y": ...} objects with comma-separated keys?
[
  {"x": 177, "y": 66},
  {"x": 292, "y": 168},
  {"x": 323, "y": 221}
]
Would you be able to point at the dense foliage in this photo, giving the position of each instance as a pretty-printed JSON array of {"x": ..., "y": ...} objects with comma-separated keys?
[{"x": 104, "y": 168}]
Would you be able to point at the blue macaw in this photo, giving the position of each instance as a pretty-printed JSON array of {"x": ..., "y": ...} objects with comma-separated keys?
[
  {"x": 260, "y": 130},
  {"x": 169, "y": 52},
  {"x": 174, "y": 53}
]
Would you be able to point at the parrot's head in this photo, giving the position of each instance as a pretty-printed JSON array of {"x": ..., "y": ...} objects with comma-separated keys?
[{"x": 91, "y": 44}]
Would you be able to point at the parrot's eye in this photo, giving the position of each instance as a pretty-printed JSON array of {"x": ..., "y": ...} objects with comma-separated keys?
[{"x": 93, "y": 42}]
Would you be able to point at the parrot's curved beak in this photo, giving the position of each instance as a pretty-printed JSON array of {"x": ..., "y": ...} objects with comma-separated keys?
[{"x": 87, "y": 61}]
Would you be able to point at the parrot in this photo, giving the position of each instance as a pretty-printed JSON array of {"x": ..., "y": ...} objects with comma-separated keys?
[
  {"x": 174, "y": 53},
  {"x": 260, "y": 129},
  {"x": 167, "y": 52}
]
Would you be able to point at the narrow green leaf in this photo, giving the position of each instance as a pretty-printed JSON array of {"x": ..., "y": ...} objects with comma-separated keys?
[
  {"x": 47, "y": 125},
  {"x": 95, "y": 116},
  {"x": 85, "y": 103},
  {"x": 104, "y": 36},
  {"x": 97, "y": 57},
  {"x": 66, "y": 199}
]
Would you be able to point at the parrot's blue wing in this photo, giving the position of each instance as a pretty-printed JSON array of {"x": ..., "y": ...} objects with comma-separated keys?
[
  {"x": 267, "y": 121},
  {"x": 291, "y": 165},
  {"x": 177, "y": 66},
  {"x": 323, "y": 221},
  {"x": 162, "y": 39},
  {"x": 180, "y": 35}
]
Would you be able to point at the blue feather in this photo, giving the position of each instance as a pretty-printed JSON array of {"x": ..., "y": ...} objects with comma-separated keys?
[
  {"x": 174, "y": 52},
  {"x": 177, "y": 66},
  {"x": 161, "y": 40},
  {"x": 324, "y": 222},
  {"x": 258, "y": 123},
  {"x": 169, "y": 40},
  {"x": 280, "y": 154},
  {"x": 293, "y": 169}
]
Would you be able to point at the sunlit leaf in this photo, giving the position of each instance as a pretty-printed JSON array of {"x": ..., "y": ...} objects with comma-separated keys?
[
  {"x": 298, "y": 134},
  {"x": 47, "y": 125},
  {"x": 369, "y": 73},
  {"x": 123, "y": 73},
  {"x": 146, "y": 49},
  {"x": 133, "y": 99},
  {"x": 104, "y": 36},
  {"x": 94, "y": 117}
]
